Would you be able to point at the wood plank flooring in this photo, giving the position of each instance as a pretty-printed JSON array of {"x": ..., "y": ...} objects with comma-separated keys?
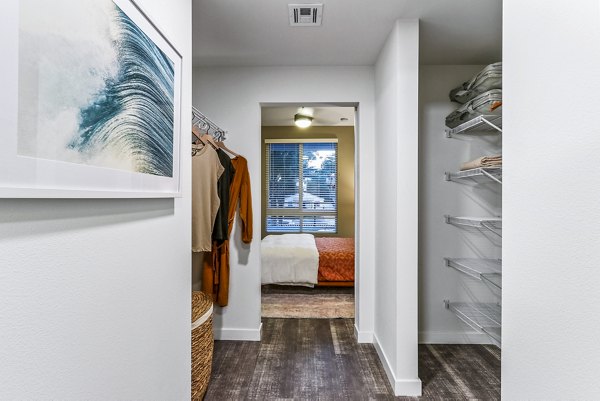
[{"x": 319, "y": 359}]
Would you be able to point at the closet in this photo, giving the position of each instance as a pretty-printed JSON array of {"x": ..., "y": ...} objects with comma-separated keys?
[
  {"x": 479, "y": 119},
  {"x": 220, "y": 189}
]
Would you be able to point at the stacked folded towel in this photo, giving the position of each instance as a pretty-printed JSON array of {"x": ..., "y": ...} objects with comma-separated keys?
[
  {"x": 484, "y": 161},
  {"x": 487, "y": 79},
  {"x": 481, "y": 95}
]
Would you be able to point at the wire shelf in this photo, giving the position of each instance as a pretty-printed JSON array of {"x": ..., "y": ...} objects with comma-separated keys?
[
  {"x": 494, "y": 279},
  {"x": 488, "y": 270},
  {"x": 495, "y": 334},
  {"x": 477, "y": 174},
  {"x": 493, "y": 224},
  {"x": 478, "y": 125},
  {"x": 483, "y": 317}
]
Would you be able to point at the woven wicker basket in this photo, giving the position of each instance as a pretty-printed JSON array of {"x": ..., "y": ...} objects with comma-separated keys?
[{"x": 202, "y": 343}]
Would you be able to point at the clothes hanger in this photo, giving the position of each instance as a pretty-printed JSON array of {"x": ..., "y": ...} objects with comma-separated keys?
[
  {"x": 207, "y": 138},
  {"x": 221, "y": 135},
  {"x": 221, "y": 145},
  {"x": 198, "y": 134}
]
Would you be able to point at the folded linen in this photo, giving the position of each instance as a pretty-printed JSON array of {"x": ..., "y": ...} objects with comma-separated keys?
[
  {"x": 488, "y": 103},
  {"x": 484, "y": 161},
  {"x": 487, "y": 79}
]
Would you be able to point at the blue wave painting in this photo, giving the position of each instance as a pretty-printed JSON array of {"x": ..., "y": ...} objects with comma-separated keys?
[{"x": 116, "y": 110}]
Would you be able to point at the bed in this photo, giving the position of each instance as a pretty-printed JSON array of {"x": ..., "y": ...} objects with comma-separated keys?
[
  {"x": 302, "y": 259},
  {"x": 336, "y": 261}
]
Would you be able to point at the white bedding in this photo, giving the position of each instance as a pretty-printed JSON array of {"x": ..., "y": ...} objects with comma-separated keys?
[{"x": 290, "y": 259}]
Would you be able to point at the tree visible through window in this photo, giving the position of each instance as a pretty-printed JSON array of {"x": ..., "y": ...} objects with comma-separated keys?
[{"x": 301, "y": 186}]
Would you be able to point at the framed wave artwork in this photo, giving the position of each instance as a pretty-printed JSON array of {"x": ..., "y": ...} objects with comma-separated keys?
[{"x": 91, "y": 103}]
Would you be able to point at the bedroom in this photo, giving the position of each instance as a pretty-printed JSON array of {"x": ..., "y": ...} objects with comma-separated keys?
[{"x": 307, "y": 248}]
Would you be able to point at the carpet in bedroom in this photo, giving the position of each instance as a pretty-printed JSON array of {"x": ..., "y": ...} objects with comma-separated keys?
[{"x": 307, "y": 304}]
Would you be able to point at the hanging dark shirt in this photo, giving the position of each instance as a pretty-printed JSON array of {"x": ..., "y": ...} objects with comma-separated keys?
[{"x": 220, "y": 229}]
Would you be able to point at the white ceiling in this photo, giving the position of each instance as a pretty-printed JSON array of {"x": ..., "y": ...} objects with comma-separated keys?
[
  {"x": 257, "y": 32},
  {"x": 323, "y": 116}
]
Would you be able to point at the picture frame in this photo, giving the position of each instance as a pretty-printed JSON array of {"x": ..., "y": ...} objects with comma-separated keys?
[{"x": 92, "y": 102}]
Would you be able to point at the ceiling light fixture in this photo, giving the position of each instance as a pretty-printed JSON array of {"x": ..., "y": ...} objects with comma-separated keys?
[{"x": 302, "y": 121}]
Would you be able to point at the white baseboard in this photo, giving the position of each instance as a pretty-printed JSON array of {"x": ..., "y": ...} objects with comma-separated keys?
[
  {"x": 408, "y": 388},
  {"x": 402, "y": 387},
  {"x": 453, "y": 337},
  {"x": 238, "y": 334},
  {"x": 363, "y": 336}
]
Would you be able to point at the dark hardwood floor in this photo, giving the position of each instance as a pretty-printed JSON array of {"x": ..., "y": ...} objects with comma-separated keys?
[{"x": 319, "y": 359}]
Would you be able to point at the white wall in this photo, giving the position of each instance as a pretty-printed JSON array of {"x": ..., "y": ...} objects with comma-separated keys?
[
  {"x": 438, "y": 197},
  {"x": 231, "y": 97},
  {"x": 396, "y": 123},
  {"x": 551, "y": 274},
  {"x": 95, "y": 294}
]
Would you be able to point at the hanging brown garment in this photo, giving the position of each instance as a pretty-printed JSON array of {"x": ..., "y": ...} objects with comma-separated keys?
[{"x": 215, "y": 271}]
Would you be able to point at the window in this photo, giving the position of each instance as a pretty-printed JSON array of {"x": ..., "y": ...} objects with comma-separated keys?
[{"x": 301, "y": 186}]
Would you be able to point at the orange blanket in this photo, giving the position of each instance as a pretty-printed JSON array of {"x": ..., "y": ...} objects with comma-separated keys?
[{"x": 336, "y": 258}]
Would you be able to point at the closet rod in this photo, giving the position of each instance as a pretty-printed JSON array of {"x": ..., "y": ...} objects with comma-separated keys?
[{"x": 206, "y": 124}]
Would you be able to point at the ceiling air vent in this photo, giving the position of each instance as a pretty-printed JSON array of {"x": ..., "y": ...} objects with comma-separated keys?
[{"x": 305, "y": 14}]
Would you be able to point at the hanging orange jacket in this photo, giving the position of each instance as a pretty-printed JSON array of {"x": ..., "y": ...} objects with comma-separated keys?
[{"x": 215, "y": 271}]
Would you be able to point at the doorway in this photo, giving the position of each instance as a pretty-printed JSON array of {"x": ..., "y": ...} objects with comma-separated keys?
[{"x": 308, "y": 206}]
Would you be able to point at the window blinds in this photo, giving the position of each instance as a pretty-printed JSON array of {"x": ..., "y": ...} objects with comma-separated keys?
[{"x": 301, "y": 186}]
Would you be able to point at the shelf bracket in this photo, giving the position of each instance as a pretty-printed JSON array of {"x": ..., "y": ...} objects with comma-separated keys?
[
  {"x": 491, "y": 229},
  {"x": 447, "y": 175},
  {"x": 491, "y": 125},
  {"x": 447, "y": 303},
  {"x": 490, "y": 176}
]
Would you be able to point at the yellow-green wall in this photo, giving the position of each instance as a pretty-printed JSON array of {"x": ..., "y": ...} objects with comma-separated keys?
[{"x": 345, "y": 137}]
